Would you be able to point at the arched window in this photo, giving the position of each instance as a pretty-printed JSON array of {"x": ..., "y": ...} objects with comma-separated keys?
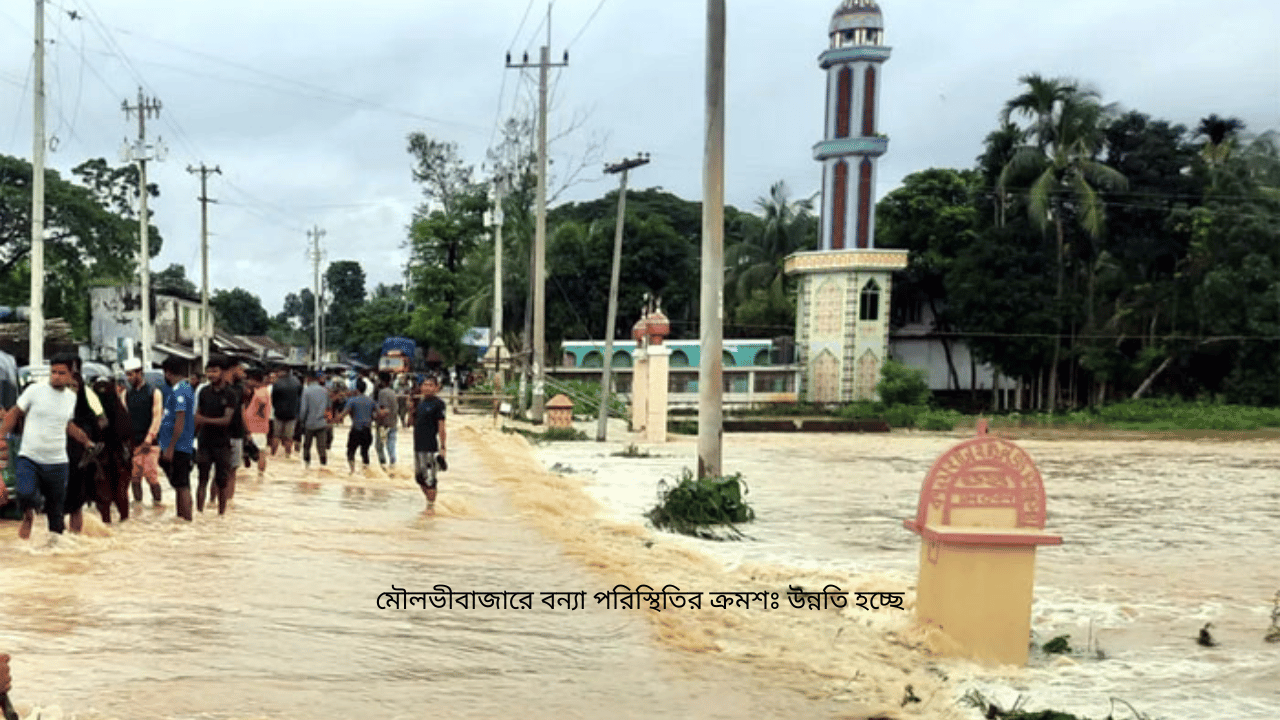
[
  {"x": 679, "y": 359},
  {"x": 762, "y": 359},
  {"x": 594, "y": 359},
  {"x": 726, "y": 360},
  {"x": 621, "y": 359},
  {"x": 869, "y": 307}
]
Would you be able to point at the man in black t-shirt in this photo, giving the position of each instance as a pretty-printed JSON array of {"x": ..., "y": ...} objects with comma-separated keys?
[
  {"x": 286, "y": 397},
  {"x": 429, "y": 440},
  {"x": 215, "y": 409}
]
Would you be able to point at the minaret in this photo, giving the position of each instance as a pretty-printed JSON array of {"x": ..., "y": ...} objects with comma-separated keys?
[{"x": 842, "y": 314}]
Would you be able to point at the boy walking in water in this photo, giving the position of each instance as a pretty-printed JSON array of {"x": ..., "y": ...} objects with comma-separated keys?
[{"x": 428, "y": 439}]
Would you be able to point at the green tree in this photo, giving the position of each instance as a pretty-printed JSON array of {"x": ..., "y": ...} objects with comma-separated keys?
[
  {"x": 299, "y": 312},
  {"x": 1061, "y": 174},
  {"x": 344, "y": 284},
  {"x": 934, "y": 215},
  {"x": 443, "y": 236},
  {"x": 174, "y": 279},
  {"x": 86, "y": 242},
  {"x": 381, "y": 317},
  {"x": 239, "y": 312}
]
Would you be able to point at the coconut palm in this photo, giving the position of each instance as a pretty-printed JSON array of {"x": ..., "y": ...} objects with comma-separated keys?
[
  {"x": 1059, "y": 168},
  {"x": 786, "y": 226}
]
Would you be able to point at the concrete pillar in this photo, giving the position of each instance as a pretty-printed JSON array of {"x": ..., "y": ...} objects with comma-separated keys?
[
  {"x": 659, "y": 359},
  {"x": 639, "y": 390}
]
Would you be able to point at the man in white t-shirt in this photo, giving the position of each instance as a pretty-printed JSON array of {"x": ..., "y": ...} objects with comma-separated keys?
[{"x": 42, "y": 466}]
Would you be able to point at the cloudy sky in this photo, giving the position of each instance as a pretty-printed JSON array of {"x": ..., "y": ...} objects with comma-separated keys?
[{"x": 305, "y": 106}]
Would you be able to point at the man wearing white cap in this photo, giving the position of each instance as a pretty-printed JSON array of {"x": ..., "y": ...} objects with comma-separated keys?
[{"x": 146, "y": 408}]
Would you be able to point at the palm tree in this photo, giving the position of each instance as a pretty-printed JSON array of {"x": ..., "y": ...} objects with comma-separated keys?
[
  {"x": 787, "y": 226},
  {"x": 1221, "y": 134},
  {"x": 1066, "y": 127}
]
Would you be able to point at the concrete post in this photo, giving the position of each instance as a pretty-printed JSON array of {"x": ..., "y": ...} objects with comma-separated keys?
[
  {"x": 658, "y": 376},
  {"x": 640, "y": 390}
]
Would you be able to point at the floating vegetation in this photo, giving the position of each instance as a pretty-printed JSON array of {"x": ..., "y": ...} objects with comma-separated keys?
[
  {"x": 548, "y": 435},
  {"x": 991, "y": 711},
  {"x": 563, "y": 434},
  {"x": 1058, "y": 646},
  {"x": 702, "y": 506},
  {"x": 632, "y": 451}
]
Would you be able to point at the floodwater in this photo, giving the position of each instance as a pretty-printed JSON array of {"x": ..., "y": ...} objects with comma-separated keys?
[
  {"x": 271, "y": 612},
  {"x": 1161, "y": 536}
]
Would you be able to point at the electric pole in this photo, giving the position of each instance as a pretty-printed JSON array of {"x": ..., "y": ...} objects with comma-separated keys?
[
  {"x": 140, "y": 152},
  {"x": 711, "y": 369},
  {"x": 499, "y": 217},
  {"x": 206, "y": 324},
  {"x": 606, "y": 380},
  {"x": 544, "y": 66},
  {"x": 316, "y": 255},
  {"x": 35, "y": 319}
]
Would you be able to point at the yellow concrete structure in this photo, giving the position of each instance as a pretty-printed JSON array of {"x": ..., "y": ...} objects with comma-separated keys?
[
  {"x": 560, "y": 412},
  {"x": 657, "y": 376},
  {"x": 981, "y": 517}
]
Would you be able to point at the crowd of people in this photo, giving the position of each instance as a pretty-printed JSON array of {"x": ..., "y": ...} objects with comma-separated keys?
[{"x": 68, "y": 443}]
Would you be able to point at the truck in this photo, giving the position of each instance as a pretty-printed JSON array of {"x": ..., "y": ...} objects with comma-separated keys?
[{"x": 397, "y": 355}]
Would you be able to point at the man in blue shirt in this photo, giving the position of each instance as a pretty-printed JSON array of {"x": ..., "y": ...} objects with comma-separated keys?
[
  {"x": 177, "y": 434},
  {"x": 361, "y": 408}
]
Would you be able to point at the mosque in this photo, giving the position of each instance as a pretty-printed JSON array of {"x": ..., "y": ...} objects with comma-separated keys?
[{"x": 842, "y": 334}]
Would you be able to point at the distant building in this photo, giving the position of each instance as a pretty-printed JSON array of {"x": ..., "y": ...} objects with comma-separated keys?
[{"x": 116, "y": 326}]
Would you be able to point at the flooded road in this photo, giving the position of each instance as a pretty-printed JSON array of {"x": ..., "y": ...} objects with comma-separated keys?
[
  {"x": 1160, "y": 537},
  {"x": 270, "y": 612}
]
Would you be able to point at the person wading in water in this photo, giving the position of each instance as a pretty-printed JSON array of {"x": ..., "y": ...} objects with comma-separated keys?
[{"x": 429, "y": 440}]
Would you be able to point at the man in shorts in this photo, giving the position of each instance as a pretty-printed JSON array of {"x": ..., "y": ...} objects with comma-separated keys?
[
  {"x": 286, "y": 397},
  {"x": 257, "y": 416},
  {"x": 42, "y": 466},
  {"x": 177, "y": 434},
  {"x": 429, "y": 440},
  {"x": 145, "y": 406},
  {"x": 234, "y": 376},
  {"x": 215, "y": 409}
]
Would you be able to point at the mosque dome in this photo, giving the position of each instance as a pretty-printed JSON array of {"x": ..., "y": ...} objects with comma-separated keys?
[{"x": 857, "y": 22}]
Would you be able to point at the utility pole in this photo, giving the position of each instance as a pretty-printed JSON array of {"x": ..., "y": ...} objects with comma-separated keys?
[
  {"x": 606, "y": 380},
  {"x": 206, "y": 324},
  {"x": 316, "y": 255},
  {"x": 141, "y": 153},
  {"x": 499, "y": 217},
  {"x": 35, "y": 319},
  {"x": 710, "y": 369},
  {"x": 544, "y": 66}
]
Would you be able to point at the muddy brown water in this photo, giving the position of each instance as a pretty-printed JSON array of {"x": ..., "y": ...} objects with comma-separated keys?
[
  {"x": 1162, "y": 534},
  {"x": 270, "y": 611}
]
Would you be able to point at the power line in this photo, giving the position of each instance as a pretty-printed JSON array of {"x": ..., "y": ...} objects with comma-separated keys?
[
  {"x": 511, "y": 45},
  {"x": 586, "y": 25},
  {"x": 317, "y": 92}
]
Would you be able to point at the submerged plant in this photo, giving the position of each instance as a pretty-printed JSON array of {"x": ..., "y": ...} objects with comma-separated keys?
[
  {"x": 632, "y": 451},
  {"x": 1058, "y": 646},
  {"x": 695, "y": 506}
]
